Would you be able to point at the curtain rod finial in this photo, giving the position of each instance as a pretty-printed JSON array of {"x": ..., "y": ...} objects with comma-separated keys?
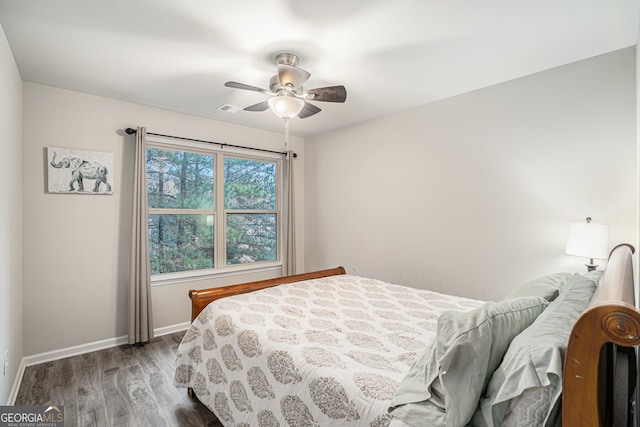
[{"x": 130, "y": 131}]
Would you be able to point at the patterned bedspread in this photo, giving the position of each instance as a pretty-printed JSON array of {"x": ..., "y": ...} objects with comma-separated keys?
[{"x": 324, "y": 352}]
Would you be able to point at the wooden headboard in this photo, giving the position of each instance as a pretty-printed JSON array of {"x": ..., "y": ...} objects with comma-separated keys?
[{"x": 600, "y": 364}]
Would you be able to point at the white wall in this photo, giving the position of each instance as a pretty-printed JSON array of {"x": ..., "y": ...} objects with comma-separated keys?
[
  {"x": 10, "y": 217},
  {"x": 474, "y": 194},
  {"x": 77, "y": 246},
  {"x": 482, "y": 185}
]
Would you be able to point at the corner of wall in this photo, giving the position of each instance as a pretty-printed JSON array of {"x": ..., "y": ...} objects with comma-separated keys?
[{"x": 11, "y": 298}]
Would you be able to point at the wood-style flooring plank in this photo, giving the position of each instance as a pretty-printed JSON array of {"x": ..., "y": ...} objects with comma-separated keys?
[
  {"x": 120, "y": 386},
  {"x": 92, "y": 410}
]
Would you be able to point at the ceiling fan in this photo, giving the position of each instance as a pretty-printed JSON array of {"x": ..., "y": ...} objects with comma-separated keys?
[{"x": 287, "y": 95}]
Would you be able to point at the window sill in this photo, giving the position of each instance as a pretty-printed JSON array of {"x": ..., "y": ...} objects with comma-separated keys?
[{"x": 191, "y": 276}]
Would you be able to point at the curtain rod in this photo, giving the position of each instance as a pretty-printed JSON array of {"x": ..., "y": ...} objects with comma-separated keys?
[{"x": 131, "y": 131}]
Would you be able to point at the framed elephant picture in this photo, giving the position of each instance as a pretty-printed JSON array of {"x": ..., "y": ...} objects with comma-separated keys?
[{"x": 79, "y": 172}]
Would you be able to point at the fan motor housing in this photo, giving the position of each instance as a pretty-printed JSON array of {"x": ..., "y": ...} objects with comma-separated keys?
[{"x": 274, "y": 84}]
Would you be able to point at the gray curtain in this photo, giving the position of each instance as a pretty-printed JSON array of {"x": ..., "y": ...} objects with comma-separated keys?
[
  {"x": 140, "y": 314},
  {"x": 289, "y": 244}
]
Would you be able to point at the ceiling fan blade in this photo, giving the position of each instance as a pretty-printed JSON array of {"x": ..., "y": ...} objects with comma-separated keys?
[
  {"x": 261, "y": 106},
  {"x": 237, "y": 85},
  {"x": 329, "y": 94},
  {"x": 308, "y": 110},
  {"x": 294, "y": 76}
]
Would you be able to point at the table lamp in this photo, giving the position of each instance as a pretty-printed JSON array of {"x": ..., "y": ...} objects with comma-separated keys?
[{"x": 589, "y": 240}]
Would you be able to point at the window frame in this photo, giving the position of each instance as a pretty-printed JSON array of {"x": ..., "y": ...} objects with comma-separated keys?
[{"x": 219, "y": 213}]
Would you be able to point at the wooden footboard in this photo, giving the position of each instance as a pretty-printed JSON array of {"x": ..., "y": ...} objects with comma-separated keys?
[
  {"x": 600, "y": 364},
  {"x": 201, "y": 298}
]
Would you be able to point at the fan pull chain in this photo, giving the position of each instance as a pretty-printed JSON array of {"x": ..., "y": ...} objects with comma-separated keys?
[{"x": 286, "y": 135}]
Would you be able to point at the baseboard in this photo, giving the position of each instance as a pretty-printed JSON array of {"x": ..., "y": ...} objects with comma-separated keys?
[
  {"x": 81, "y": 349},
  {"x": 62, "y": 353},
  {"x": 166, "y": 330},
  {"x": 16, "y": 384}
]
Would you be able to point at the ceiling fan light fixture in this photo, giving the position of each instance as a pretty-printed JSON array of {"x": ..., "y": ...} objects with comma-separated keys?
[
  {"x": 286, "y": 107},
  {"x": 288, "y": 98}
]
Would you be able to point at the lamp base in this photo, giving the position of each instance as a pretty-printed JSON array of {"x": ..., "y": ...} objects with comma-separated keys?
[{"x": 591, "y": 267}]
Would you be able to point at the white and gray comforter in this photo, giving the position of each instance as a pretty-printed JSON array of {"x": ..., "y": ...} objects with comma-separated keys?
[{"x": 324, "y": 352}]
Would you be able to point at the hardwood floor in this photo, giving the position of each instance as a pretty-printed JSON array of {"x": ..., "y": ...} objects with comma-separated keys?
[{"x": 120, "y": 386}]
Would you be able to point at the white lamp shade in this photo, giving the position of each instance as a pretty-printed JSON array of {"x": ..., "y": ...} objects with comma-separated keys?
[
  {"x": 286, "y": 106},
  {"x": 589, "y": 240}
]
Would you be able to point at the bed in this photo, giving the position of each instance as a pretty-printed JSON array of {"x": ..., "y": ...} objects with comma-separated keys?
[{"x": 331, "y": 349}]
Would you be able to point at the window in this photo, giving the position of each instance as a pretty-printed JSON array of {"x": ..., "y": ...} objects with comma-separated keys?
[
  {"x": 209, "y": 210},
  {"x": 250, "y": 210}
]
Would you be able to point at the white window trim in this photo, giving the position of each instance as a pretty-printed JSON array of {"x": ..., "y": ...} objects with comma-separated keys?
[
  {"x": 232, "y": 270},
  {"x": 199, "y": 275}
]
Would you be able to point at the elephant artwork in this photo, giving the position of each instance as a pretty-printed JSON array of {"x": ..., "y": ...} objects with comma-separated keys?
[{"x": 69, "y": 171}]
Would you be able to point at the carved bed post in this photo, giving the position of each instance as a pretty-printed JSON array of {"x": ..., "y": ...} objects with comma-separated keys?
[{"x": 612, "y": 318}]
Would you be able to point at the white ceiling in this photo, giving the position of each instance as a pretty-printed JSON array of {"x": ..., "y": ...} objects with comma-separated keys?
[{"x": 390, "y": 54}]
